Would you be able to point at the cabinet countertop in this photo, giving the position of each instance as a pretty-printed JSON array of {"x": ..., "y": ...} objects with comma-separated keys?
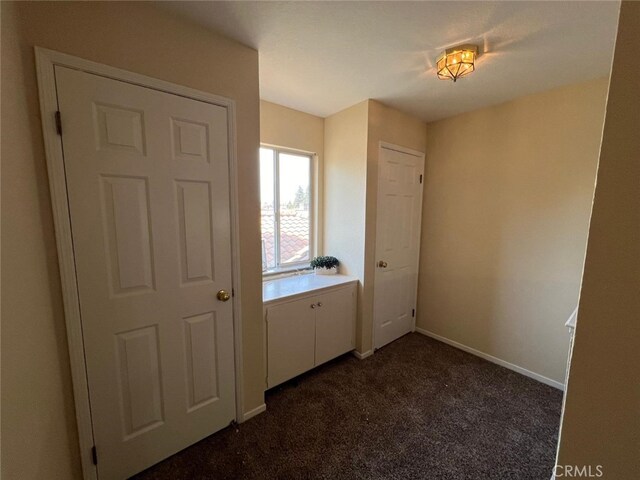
[{"x": 283, "y": 288}]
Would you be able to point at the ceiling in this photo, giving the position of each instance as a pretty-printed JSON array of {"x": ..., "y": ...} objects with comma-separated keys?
[{"x": 322, "y": 57}]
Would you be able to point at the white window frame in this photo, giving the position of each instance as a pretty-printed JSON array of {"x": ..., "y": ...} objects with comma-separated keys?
[{"x": 293, "y": 267}]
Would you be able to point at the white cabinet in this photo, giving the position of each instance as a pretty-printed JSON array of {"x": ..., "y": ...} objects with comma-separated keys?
[
  {"x": 309, "y": 330},
  {"x": 335, "y": 322},
  {"x": 291, "y": 337}
]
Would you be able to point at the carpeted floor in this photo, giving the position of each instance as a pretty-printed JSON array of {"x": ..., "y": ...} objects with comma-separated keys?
[{"x": 417, "y": 409}]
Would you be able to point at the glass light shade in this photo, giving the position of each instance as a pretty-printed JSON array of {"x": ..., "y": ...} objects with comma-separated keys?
[{"x": 456, "y": 62}]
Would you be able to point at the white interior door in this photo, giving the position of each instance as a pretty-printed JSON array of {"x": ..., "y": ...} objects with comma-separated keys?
[
  {"x": 148, "y": 189},
  {"x": 397, "y": 243}
]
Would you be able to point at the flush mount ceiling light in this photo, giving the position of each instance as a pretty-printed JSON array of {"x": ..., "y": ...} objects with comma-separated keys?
[{"x": 457, "y": 62}]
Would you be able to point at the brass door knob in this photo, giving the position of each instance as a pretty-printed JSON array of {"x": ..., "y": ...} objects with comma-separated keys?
[
  {"x": 382, "y": 264},
  {"x": 223, "y": 295}
]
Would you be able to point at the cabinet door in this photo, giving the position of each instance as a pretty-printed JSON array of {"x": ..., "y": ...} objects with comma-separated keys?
[
  {"x": 290, "y": 340},
  {"x": 335, "y": 323}
]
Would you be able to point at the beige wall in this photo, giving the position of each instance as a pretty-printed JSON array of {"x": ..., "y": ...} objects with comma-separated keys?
[
  {"x": 345, "y": 170},
  {"x": 506, "y": 209},
  {"x": 601, "y": 422},
  {"x": 38, "y": 420},
  {"x": 284, "y": 127},
  {"x": 385, "y": 124}
]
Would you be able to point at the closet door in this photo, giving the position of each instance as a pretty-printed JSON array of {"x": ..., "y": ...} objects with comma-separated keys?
[
  {"x": 397, "y": 243},
  {"x": 148, "y": 192}
]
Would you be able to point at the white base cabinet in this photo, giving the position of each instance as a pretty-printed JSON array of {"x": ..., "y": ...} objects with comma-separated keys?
[
  {"x": 309, "y": 330},
  {"x": 291, "y": 338}
]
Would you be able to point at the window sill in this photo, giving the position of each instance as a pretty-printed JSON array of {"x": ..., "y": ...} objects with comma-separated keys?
[{"x": 291, "y": 272}]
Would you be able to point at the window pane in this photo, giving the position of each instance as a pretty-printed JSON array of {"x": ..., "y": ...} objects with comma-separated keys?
[
  {"x": 295, "y": 207},
  {"x": 267, "y": 204}
]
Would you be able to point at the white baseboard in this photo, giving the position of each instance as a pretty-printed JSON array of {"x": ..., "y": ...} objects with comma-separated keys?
[
  {"x": 492, "y": 359},
  {"x": 362, "y": 356},
  {"x": 252, "y": 413}
]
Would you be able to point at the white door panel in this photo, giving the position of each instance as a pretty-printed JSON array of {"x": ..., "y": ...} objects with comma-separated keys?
[
  {"x": 334, "y": 324},
  {"x": 291, "y": 339},
  {"x": 148, "y": 189},
  {"x": 397, "y": 243}
]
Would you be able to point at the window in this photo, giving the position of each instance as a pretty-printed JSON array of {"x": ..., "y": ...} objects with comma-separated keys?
[{"x": 287, "y": 211}]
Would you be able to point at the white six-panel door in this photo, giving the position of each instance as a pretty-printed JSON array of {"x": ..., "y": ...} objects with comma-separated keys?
[
  {"x": 148, "y": 189},
  {"x": 397, "y": 243}
]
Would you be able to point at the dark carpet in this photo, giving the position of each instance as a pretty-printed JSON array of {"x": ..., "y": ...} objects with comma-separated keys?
[{"x": 417, "y": 409}]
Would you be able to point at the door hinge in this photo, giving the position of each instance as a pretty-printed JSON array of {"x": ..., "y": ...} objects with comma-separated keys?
[
  {"x": 58, "y": 123},
  {"x": 94, "y": 455},
  {"x": 420, "y": 178},
  {"x": 413, "y": 312}
]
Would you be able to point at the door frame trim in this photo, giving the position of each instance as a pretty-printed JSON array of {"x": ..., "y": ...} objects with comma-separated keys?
[
  {"x": 46, "y": 60},
  {"x": 421, "y": 155},
  {"x": 398, "y": 148}
]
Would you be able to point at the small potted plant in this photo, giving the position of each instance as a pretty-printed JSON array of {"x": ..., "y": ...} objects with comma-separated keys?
[{"x": 325, "y": 265}]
